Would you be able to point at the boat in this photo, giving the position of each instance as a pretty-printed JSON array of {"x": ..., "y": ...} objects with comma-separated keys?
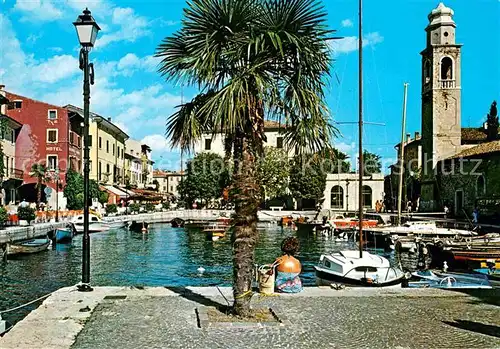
[
  {"x": 462, "y": 257},
  {"x": 215, "y": 232},
  {"x": 28, "y": 247},
  {"x": 95, "y": 224},
  {"x": 177, "y": 223},
  {"x": 63, "y": 235},
  {"x": 138, "y": 227},
  {"x": 434, "y": 279},
  {"x": 348, "y": 268},
  {"x": 116, "y": 224},
  {"x": 194, "y": 224}
]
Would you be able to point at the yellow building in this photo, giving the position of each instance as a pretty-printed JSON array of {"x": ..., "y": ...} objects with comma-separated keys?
[{"x": 107, "y": 149}]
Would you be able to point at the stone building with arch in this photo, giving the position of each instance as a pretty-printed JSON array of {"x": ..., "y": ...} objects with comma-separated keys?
[{"x": 342, "y": 191}]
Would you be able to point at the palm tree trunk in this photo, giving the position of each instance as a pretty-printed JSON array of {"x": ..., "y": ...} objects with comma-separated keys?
[
  {"x": 39, "y": 194},
  {"x": 246, "y": 195}
]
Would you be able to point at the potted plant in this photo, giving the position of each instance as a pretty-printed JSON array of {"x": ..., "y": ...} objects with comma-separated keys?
[
  {"x": 25, "y": 214},
  {"x": 149, "y": 207},
  {"x": 4, "y": 217},
  {"x": 111, "y": 209}
]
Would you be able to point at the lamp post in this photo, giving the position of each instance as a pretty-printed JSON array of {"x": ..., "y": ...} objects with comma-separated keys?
[
  {"x": 87, "y": 30},
  {"x": 56, "y": 174}
]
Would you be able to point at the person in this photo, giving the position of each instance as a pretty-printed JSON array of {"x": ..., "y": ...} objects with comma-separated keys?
[
  {"x": 24, "y": 203},
  {"x": 446, "y": 210},
  {"x": 475, "y": 215},
  {"x": 288, "y": 267},
  {"x": 408, "y": 206}
]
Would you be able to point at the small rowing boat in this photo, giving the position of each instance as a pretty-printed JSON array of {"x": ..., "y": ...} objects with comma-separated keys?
[
  {"x": 28, "y": 247},
  {"x": 63, "y": 235}
]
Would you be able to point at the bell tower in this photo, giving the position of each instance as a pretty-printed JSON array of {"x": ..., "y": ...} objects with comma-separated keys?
[{"x": 441, "y": 99}]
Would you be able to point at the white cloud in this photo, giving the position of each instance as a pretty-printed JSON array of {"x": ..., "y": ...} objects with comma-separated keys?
[
  {"x": 55, "y": 69},
  {"x": 38, "y": 10},
  {"x": 345, "y": 147},
  {"x": 130, "y": 27},
  {"x": 56, "y": 49},
  {"x": 158, "y": 143},
  {"x": 347, "y": 23},
  {"x": 350, "y": 43}
]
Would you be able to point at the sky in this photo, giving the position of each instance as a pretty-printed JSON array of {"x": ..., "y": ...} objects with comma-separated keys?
[{"x": 39, "y": 59}]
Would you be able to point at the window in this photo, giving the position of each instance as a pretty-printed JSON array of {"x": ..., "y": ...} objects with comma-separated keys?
[
  {"x": 480, "y": 186},
  {"x": 279, "y": 142},
  {"x": 7, "y": 165},
  {"x": 107, "y": 169},
  {"x": 90, "y": 165},
  {"x": 164, "y": 188},
  {"x": 51, "y": 136},
  {"x": 52, "y": 162},
  {"x": 71, "y": 138},
  {"x": 15, "y": 105},
  {"x": 100, "y": 170},
  {"x": 337, "y": 197},
  {"x": 208, "y": 144},
  {"x": 367, "y": 196},
  {"x": 52, "y": 114},
  {"x": 11, "y": 164},
  {"x": 13, "y": 136},
  {"x": 107, "y": 146},
  {"x": 446, "y": 68},
  {"x": 90, "y": 140},
  {"x": 100, "y": 143},
  {"x": 79, "y": 142},
  {"x": 113, "y": 149},
  {"x": 171, "y": 188},
  {"x": 118, "y": 152},
  {"x": 122, "y": 153}
]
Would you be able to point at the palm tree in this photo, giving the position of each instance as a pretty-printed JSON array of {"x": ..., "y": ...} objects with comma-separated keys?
[
  {"x": 250, "y": 60},
  {"x": 40, "y": 172}
]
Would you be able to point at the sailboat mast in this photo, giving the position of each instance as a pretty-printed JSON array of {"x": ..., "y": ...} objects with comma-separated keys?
[
  {"x": 401, "y": 153},
  {"x": 360, "y": 126}
]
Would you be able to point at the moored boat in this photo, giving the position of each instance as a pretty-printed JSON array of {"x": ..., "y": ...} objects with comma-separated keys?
[
  {"x": 177, "y": 223},
  {"x": 28, "y": 247},
  {"x": 434, "y": 279},
  {"x": 139, "y": 227},
  {"x": 95, "y": 224},
  {"x": 63, "y": 235},
  {"x": 215, "y": 232},
  {"x": 194, "y": 224},
  {"x": 347, "y": 268}
]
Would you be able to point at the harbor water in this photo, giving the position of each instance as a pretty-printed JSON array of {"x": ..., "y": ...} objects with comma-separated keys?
[{"x": 165, "y": 256}]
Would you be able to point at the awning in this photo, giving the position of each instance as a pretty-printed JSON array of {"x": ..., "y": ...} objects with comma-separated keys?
[
  {"x": 128, "y": 192},
  {"x": 115, "y": 191}
]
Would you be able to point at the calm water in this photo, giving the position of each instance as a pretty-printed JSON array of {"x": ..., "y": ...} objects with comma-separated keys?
[{"x": 164, "y": 257}]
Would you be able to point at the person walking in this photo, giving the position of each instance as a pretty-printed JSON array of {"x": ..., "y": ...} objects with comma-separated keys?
[{"x": 475, "y": 215}]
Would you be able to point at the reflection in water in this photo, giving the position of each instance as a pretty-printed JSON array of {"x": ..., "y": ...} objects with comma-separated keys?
[{"x": 164, "y": 257}]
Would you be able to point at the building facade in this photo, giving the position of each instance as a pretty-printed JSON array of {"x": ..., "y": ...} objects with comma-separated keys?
[
  {"x": 107, "y": 149},
  {"x": 215, "y": 143},
  {"x": 50, "y": 136},
  {"x": 11, "y": 177},
  {"x": 342, "y": 191},
  {"x": 133, "y": 163},
  {"x": 168, "y": 182}
]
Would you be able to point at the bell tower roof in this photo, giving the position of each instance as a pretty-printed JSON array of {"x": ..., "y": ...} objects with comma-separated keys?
[{"x": 440, "y": 16}]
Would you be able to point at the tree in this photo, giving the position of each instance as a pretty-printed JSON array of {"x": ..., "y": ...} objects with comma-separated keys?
[
  {"x": 492, "y": 122},
  {"x": 249, "y": 59},
  {"x": 273, "y": 172},
  {"x": 335, "y": 161},
  {"x": 205, "y": 178},
  {"x": 308, "y": 177},
  {"x": 41, "y": 174},
  {"x": 2, "y": 164},
  {"x": 73, "y": 191},
  {"x": 372, "y": 163}
]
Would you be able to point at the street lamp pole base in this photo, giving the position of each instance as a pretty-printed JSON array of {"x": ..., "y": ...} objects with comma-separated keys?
[{"x": 84, "y": 288}]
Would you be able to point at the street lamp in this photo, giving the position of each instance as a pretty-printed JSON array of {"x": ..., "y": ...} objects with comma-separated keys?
[{"x": 87, "y": 30}]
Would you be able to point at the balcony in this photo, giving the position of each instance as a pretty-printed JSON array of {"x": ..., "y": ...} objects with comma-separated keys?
[{"x": 447, "y": 83}]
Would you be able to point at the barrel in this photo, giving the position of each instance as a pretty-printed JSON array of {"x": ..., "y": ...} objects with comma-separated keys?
[{"x": 266, "y": 279}]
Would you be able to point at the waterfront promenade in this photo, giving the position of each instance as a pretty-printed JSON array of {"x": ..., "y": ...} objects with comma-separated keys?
[{"x": 126, "y": 317}]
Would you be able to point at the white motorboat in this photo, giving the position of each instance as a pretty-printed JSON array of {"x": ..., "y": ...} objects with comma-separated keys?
[
  {"x": 347, "y": 268},
  {"x": 95, "y": 224}
]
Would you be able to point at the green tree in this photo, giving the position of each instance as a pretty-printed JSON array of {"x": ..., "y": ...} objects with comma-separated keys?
[
  {"x": 335, "y": 161},
  {"x": 273, "y": 172},
  {"x": 372, "y": 163},
  {"x": 206, "y": 177},
  {"x": 42, "y": 176},
  {"x": 250, "y": 59},
  {"x": 308, "y": 177},
  {"x": 73, "y": 191},
  {"x": 492, "y": 122},
  {"x": 2, "y": 164}
]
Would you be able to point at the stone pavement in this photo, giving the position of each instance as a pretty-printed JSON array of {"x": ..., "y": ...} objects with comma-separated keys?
[{"x": 320, "y": 318}]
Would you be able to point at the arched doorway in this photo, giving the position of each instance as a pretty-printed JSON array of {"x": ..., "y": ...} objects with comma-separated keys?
[
  {"x": 337, "y": 197},
  {"x": 29, "y": 192},
  {"x": 446, "y": 69}
]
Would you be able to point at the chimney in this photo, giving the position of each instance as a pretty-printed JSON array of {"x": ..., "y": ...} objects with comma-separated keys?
[
  {"x": 109, "y": 119},
  {"x": 417, "y": 134},
  {"x": 2, "y": 87},
  {"x": 408, "y": 138}
]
